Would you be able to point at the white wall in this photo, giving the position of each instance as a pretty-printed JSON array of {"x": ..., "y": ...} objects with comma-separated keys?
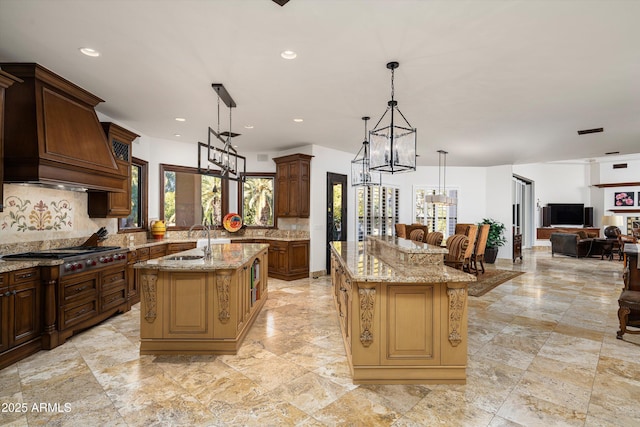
[{"x": 499, "y": 202}]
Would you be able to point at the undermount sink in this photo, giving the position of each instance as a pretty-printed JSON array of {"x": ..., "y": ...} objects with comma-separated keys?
[
  {"x": 202, "y": 243},
  {"x": 185, "y": 257}
]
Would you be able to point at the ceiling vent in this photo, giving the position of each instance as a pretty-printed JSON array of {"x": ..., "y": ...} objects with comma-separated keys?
[
  {"x": 586, "y": 131},
  {"x": 620, "y": 166}
]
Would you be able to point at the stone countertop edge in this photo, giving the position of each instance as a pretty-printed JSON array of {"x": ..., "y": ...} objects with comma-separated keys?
[
  {"x": 352, "y": 257},
  {"x": 13, "y": 265},
  {"x": 225, "y": 256},
  {"x": 164, "y": 241}
]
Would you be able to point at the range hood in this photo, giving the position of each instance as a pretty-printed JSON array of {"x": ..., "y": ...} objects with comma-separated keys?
[{"x": 53, "y": 135}]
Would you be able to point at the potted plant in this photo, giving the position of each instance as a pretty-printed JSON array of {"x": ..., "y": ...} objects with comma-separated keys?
[{"x": 494, "y": 240}]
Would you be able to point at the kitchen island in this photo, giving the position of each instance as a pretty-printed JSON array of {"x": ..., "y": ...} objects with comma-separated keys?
[
  {"x": 403, "y": 314},
  {"x": 191, "y": 305}
]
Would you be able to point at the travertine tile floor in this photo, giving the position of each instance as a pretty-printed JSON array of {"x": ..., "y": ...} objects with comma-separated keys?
[{"x": 542, "y": 351}]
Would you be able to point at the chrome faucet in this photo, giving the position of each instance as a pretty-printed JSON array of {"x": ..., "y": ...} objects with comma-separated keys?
[{"x": 205, "y": 229}]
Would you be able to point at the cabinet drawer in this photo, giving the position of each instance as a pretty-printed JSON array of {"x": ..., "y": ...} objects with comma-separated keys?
[
  {"x": 4, "y": 279},
  {"x": 113, "y": 278},
  {"x": 157, "y": 251},
  {"x": 113, "y": 298},
  {"x": 173, "y": 248},
  {"x": 74, "y": 314},
  {"x": 79, "y": 288},
  {"x": 143, "y": 254},
  {"x": 26, "y": 275}
]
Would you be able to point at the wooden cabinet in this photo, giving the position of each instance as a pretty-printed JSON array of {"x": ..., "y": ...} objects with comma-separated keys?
[
  {"x": 201, "y": 312},
  {"x": 6, "y": 80},
  {"x": 104, "y": 204},
  {"x": 20, "y": 314},
  {"x": 173, "y": 248},
  {"x": 293, "y": 179},
  {"x": 145, "y": 254},
  {"x": 288, "y": 260},
  {"x": 545, "y": 233}
]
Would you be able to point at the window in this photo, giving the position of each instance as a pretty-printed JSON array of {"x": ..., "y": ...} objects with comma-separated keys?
[
  {"x": 377, "y": 210},
  {"x": 137, "y": 219},
  {"x": 256, "y": 200},
  {"x": 188, "y": 197},
  {"x": 435, "y": 217}
]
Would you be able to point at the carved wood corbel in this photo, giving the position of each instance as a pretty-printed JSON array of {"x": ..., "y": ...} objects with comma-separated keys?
[
  {"x": 222, "y": 284},
  {"x": 150, "y": 295},
  {"x": 367, "y": 302},
  {"x": 457, "y": 298}
]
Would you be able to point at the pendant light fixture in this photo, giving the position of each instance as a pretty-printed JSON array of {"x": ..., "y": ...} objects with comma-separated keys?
[
  {"x": 393, "y": 147},
  {"x": 361, "y": 174},
  {"x": 224, "y": 156},
  {"x": 441, "y": 198}
]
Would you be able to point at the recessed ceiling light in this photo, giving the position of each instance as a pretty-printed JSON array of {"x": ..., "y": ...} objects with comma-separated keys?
[
  {"x": 177, "y": 134},
  {"x": 298, "y": 120},
  {"x": 90, "y": 52},
  {"x": 288, "y": 54},
  {"x": 248, "y": 126},
  {"x": 235, "y": 146},
  {"x": 180, "y": 119}
]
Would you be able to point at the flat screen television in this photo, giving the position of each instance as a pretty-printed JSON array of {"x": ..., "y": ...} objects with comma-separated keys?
[{"x": 566, "y": 213}]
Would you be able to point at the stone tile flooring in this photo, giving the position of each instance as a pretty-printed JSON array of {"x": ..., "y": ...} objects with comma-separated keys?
[{"x": 542, "y": 352}]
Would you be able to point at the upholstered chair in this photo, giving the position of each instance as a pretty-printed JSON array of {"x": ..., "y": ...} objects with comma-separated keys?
[
  {"x": 417, "y": 235},
  {"x": 415, "y": 226},
  {"x": 401, "y": 231},
  {"x": 434, "y": 238},
  {"x": 457, "y": 246},
  {"x": 481, "y": 245}
]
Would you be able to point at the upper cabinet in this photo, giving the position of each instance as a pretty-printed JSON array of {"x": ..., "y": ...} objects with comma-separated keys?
[
  {"x": 293, "y": 178},
  {"x": 6, "y": 80},
  {"x": 115, "y": 204}
]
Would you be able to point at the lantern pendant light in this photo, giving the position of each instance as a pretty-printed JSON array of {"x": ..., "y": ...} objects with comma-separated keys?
[{"x": 361, "y": 174}]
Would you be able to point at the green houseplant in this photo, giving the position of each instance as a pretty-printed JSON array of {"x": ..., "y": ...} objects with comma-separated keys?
[{"x": 494, "y": 240}]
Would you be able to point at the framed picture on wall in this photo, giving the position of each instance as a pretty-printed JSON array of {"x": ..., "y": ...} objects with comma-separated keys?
[
  {"x": 632, "y": 222},
  {"x": 624, "y": 198}
]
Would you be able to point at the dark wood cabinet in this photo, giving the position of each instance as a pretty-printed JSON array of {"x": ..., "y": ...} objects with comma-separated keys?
[
  {"x": 111, "y": 204},
  {"x": 20, "y": 314},
  {"x": 145, "y": 254},
  {"x": 173, "y": 248},
  {"x": 288, "y": 260},
  {"x": 293, "y": 180},
  {"x": 6, "y": 80}
]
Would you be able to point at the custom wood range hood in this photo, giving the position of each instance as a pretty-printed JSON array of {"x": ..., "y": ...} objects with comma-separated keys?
[{"x": 53, "y": 135}]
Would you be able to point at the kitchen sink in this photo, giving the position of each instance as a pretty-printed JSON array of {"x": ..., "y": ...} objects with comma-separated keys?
[{"x": 185, "y": 258}]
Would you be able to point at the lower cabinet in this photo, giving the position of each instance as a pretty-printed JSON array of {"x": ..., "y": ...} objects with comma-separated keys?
[
  {"x": 288, "y": 260},
  {"x": 20, "y": 314}
]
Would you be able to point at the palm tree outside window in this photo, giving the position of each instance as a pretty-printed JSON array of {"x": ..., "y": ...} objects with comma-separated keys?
[{"x": 256, "y": 200}]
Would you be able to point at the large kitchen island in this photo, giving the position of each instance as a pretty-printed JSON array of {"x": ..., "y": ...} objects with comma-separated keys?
[
  {"x": 403, "y": 313},
  {"x": 191, "y": 305}
]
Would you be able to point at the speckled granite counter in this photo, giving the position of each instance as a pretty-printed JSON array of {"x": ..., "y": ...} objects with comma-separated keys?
[
  {"x": 7, "y": 266},
  {"x": 198, "y": 306},
  {"x": 224, "y": 256},
  {"x": 406, "y": 250},
  {"x": 401, "y": 322}
]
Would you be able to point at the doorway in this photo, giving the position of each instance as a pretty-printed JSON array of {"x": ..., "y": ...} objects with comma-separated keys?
[
  {"x": 336, "y": 212},
  {"x": 523, "y": 219}
]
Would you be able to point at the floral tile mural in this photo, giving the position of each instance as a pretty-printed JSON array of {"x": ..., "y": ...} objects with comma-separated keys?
[{"x": 45, "y": 214}]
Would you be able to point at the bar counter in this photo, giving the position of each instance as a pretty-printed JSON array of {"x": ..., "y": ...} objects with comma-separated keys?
[{"x": 402, "y": 322}]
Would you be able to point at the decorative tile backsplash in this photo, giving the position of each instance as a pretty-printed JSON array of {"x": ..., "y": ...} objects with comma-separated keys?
[
  {"x": 33, "y": 213},
  {"x": 24, "y": 215}
]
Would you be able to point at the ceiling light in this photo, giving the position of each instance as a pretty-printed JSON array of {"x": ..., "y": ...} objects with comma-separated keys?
[
  {"x": 441, "y": 198},
  {"x": 288, "y": 54},
  {"x": 298, "y": 120},
  {"x": 90, "y": 52},
  {"x": 248, "y": 126},
  {"x": 180, "y": 119},
  {"x": 392, "y": 147},
  {"x": 361, "y": 174},
  {"x": 176, "y": 134},
  {"x": 231, "y": 165}
]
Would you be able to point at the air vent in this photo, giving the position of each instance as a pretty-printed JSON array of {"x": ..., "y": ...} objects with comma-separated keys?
[
  {"x": 586, "y": 131},
  {"x": 263, "y": 157},
  {"x": 611, "y": 152},
  {"x": 620, "y": 166}
]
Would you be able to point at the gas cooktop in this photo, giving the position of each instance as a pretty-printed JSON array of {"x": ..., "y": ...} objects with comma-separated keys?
[{"x": 61, "y": 253}]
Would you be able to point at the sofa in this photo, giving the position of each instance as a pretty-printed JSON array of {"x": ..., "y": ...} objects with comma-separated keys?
[{"x": 576, "y": 244}]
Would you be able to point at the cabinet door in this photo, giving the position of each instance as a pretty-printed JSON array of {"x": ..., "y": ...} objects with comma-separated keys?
[
  {"x": 294, "y": 189},
  {"x": 282, "y": 189},
  {"x": 26, "y": 312},
  {"x": 4, "y": 317},
  {"x": 186, "y": 306},
  {"x": 132, "y": 281},
  {"x": 305, "y": 189},
  {"x": 298, "y": 257}
]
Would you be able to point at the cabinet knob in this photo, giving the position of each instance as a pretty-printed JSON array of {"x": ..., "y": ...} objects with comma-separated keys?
[{"x": 7, "y": 294}]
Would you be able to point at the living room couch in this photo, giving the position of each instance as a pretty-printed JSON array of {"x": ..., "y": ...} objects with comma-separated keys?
[{"x": 574, "y": 244}]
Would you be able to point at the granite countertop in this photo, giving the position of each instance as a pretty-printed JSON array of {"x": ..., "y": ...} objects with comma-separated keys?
[
  {"x": 10, "y": 265},
  {"x": 365, "y": 264},
  {"x": 150, "y": 243},
  {"x": 407, "y": 245},
  {"x": 224, "y": 256}
]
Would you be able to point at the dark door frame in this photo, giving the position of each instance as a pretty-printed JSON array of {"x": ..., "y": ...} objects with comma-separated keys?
[{"x": 335, "y": 178}]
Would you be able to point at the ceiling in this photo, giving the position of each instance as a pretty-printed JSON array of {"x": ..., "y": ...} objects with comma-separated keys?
[{"x": 491, "y": 82}]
